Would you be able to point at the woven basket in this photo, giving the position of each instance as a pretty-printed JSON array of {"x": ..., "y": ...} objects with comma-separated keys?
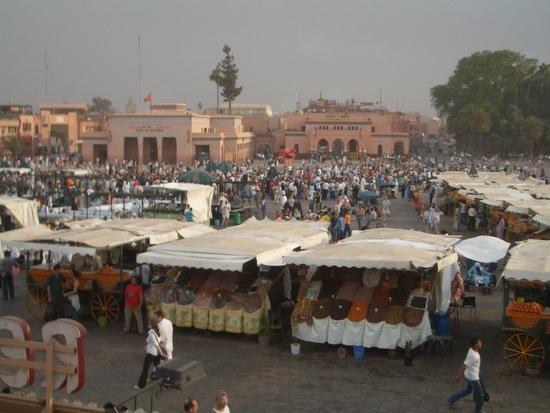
[
  {"x": 412, "y": 317},
  {"x": 376, "y": 313},
  {"x": 395, "y": 314}
]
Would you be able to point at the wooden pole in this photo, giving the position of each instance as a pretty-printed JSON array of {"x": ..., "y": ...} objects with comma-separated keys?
[{"x": 48, "y": 408}]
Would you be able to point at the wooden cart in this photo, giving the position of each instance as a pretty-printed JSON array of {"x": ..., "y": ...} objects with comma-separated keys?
[
  {"x": 526, "y": 320},
  {"x": 101, "y": 292}
]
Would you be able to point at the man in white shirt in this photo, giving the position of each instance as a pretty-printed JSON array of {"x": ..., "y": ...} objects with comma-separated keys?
[
  {"x": 221, "y": 403},
  {"x": 166, "y": 332},
  {"x": 470, "y": 371}
]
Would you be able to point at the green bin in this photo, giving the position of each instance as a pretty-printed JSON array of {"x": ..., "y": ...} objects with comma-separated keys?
[{"x": 236, "y": 216}]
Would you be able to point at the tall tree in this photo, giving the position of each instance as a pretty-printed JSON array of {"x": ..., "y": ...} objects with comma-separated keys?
[
  {"x": 229, "y": 73},
  {"x": 101, "y": 105},
  {"x": 483, "y": 90},
  {"x": 216, "y": 77},
  {"x": 532, "y": 130}
]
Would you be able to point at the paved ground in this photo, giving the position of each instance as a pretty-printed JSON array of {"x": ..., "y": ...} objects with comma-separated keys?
[{"x": 269, "y": 379}]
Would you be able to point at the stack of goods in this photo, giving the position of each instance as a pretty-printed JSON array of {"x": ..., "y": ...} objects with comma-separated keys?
[
  {"x": 217, "y": 301},
  {"x": 375, "y": 309},
  {"x": 524, "y": 315}
]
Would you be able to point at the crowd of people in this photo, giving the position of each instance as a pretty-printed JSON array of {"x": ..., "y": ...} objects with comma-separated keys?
[{"x": 347, "y": 195}]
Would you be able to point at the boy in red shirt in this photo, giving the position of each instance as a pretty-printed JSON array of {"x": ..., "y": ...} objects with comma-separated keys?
[{"x": 133, "y": 299}]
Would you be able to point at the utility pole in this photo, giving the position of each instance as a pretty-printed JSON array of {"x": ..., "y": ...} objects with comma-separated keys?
[
  {"x": 139, "y": 69},
  {"x": 46, "y": 72}
]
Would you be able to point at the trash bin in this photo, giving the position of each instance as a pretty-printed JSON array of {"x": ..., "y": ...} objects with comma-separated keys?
[
  {"x": 236, "y": 216},
  {"x": 441, "y": 324},
  {"x": 358, "y": 352}
]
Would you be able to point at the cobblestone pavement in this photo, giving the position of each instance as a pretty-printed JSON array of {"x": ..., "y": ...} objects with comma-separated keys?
[{"x": 270, "y": 380}]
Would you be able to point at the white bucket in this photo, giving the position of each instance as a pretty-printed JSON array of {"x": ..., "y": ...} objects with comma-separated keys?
[{"x": 295, "y": 349}]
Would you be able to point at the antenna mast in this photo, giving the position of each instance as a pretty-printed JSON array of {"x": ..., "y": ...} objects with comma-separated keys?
[
  {"x": 139, "y": 69},
  {"x": 46, "y": 71}
]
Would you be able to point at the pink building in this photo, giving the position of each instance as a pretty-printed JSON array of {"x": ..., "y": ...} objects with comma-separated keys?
[
  {"x": 353, "y": 134},
  {"x": 169, "y": 133}
]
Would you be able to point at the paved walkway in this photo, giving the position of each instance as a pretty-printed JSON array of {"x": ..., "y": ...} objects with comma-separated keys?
[{"x": 270, "y": 380}]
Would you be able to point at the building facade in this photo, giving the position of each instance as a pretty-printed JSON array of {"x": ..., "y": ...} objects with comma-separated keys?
[
  {"x": 170, "y": 134},
  {"x": 60, "y": 126},
  {"x": 351, "y": 134}
]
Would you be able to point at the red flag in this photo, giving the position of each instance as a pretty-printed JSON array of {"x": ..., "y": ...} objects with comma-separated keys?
[{"x": 148, "y": 98}]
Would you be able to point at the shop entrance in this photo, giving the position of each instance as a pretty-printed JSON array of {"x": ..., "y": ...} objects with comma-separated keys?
[
  {"x": 202, "y": 152},
  {"x": 150, "y": 150},
  {"x": 131, "y": 149},
  {"x": 169, "y": 150},
  {"x": 100, "y": 152}
]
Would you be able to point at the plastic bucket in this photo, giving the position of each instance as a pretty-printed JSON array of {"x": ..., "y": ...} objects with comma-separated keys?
[
  {"x": 295, "y": 349},
  {"x": 236, "y": 218},
  {"x": 441, "y": 324},
  {"x": 102, "y": 321},
  {"x": 358, "y": 352},
  {"x": 216, "y": 222}
]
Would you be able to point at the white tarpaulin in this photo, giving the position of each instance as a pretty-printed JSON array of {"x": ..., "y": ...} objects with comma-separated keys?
[
  {"x": 24, "y": 211},
  {"x": 483, "y": 249},
  {"x": 23, "y": 234},
  {"x": 229, "y": 249},
  {"x": 379, "y": 248},
  {"x": 379, "y": 335},
  {"x": 199, "y": 197},
  {"x": 529, "y": 260}
]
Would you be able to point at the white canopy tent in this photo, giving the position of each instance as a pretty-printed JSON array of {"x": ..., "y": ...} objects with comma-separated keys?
[
  {"x": 380, "y": 248},
  {"x": 229, "y": 249},
  {"x": 483, "y": 249},
  {"x": 529, "y": 260},
  {"x": 24, "y": 211},
  {"x": 199, "y": 197}
]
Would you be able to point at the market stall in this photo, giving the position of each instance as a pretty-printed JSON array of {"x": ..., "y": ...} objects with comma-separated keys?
[
  {"x": 198, "y": 197},
  {"x": 526, "y": 304},
  {"x": 103, "y": 253},
  {"x": 374, "y": 288},
  {"x": 24, "y": 211},
  {"x": 222, "y": 280}
]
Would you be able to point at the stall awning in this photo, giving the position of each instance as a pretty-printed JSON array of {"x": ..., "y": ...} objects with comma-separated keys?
[
  {"x": 23, "y": 234},
  {"x": 55, "y": 248},
  {"x": 24, "y": 211},
  {"x": 529, "y": 260},
  {"x": 483, "y": 249},
  {"x": 229, "y": 249},
  {"x": 379, "y": 248},
  {"x": 542, "y": 220}
]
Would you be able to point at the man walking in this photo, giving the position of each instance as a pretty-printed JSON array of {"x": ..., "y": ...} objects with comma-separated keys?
[
  {"x": 166, "y": 331},
  {"x": 470, "y": 371},
  {"x": 7, "y": 267}
]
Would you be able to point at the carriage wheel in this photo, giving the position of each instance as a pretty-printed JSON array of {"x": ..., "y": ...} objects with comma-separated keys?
[
  {"x": 37, "y": 299},
  {"x": 105, "y": 305},
  {"x": 520, "y": 347}
]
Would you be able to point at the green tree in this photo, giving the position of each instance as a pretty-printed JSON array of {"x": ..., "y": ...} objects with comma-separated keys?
[
  {"x": 216, "y": 77},
  {"x": 531, "y": 131},
  {"x": 229, "y": 73},
  {"x": 101, "y": 105},
  {"x": 13, "y": 145},
  {"x": 480, "y": 92}
]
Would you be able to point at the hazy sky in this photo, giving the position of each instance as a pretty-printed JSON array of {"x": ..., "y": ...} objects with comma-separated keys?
[{"x": 347, "y": 49}]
